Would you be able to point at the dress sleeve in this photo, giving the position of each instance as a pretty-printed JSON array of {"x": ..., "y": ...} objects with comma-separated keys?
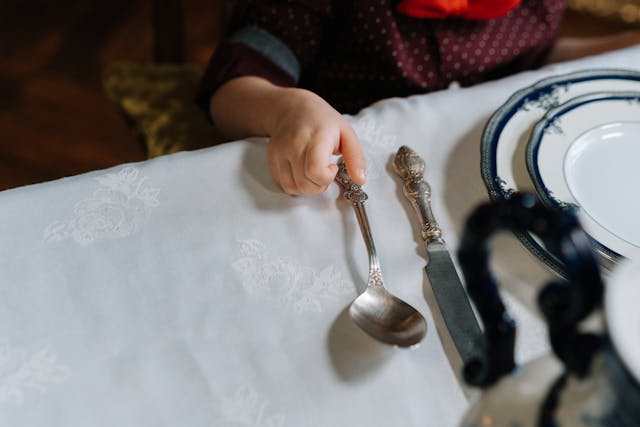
[{"x": 272, "y": 39}]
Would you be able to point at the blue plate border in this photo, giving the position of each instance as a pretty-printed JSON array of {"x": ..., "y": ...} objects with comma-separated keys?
[{"x": 542, "y": 94}]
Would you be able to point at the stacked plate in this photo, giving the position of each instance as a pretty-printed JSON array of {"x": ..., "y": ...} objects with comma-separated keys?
[{"x": 574, "y": 139}]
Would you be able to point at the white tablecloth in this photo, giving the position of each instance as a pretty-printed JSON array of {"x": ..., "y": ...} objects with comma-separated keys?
[{"x": 189, "y": 291}]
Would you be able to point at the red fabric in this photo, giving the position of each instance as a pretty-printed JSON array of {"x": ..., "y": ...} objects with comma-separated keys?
[{"x": 466, "y": 9}]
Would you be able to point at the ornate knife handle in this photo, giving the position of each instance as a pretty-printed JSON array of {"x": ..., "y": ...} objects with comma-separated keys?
[{"x": 410, "y": 167}]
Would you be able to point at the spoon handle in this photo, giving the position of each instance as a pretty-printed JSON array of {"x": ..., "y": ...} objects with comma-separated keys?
[{"x": 354, "y": 194}]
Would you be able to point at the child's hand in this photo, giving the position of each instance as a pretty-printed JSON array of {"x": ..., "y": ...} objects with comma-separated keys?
[{"x": 305, "y": 132}]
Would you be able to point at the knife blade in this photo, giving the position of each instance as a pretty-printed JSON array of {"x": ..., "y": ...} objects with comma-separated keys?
[{"x": 448, "y": 290}]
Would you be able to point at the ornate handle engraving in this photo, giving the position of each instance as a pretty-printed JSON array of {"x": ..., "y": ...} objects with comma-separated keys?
[
  {"x": 352, "y": 191},
  {"x": 410, "y": 167}
]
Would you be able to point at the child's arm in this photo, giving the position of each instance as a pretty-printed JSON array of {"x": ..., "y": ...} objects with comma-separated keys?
[{"x": 304, "y": 132}]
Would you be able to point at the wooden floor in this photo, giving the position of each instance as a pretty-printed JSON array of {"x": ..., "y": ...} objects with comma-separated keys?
[{"x": 55, "y": 120}]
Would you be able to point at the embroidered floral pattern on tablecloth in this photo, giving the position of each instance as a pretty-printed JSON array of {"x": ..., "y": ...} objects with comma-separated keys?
[
  {"x": 118, "y": 208},
  {"x": 376, "y": 143},
  {"x": 247, "y": 408},
  {"x": 22, "y": 371},
  {"x": 285, "y": 281}
]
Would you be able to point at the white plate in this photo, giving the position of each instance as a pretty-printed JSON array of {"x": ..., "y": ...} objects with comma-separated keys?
[
  {"x": 621, "y": 312},
  {"x": 585, "y": 153},
  {"x": 506, "y": 134}
]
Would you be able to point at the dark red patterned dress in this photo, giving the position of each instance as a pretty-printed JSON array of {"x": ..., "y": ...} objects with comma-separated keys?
[{"x": 355, "y": 52}]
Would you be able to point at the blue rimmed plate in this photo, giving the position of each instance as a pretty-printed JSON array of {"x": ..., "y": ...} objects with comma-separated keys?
[
  {"x": 507, "y": 133},
  {"x": 585, "y": 153}
]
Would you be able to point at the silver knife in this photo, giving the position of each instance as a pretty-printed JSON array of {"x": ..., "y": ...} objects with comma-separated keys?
[{"x": 449, "y": 292}]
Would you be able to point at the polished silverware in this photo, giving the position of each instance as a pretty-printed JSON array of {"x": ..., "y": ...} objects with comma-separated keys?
[
  {"x": 448, "y": 289},
  {"x": 380, "y": 314}
]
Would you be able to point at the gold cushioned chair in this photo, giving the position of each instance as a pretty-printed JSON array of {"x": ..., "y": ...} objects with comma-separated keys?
[
  {"x": 627, "y": 11},
  {"x": 158, "y": 99}
]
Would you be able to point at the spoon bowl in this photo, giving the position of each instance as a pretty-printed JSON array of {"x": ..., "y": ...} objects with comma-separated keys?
[{"x": 387, "y": 318}]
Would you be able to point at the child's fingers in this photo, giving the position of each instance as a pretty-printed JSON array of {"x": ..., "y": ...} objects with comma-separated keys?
[
  {"x": 282, "y": 171},
  {"x": 290, "y": 175},
  {"x": 304, "y": 184},
  {"x": 286, "y": 179},
  {"x": 317, "y": 160},
  {"x": 353, "y": 154}
]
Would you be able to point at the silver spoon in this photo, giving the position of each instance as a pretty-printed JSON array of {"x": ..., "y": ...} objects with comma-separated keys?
[{"x": 380, "y": 314}]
